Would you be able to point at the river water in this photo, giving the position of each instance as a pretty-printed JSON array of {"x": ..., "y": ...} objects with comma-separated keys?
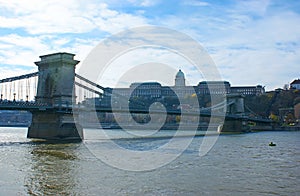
[{"x": 240, "y": 164}]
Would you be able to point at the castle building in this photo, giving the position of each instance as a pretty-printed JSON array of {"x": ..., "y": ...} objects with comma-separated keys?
[
  {"x": 156, "y": 90},
  {"x": 295, "y": 84},
  {"x": 248, "y": 90},
  {"x": 179, "y": 79},
  {"x": 213, "y": 87}
]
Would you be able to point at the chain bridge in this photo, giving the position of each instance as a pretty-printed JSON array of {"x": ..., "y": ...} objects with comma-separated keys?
[{"x": 55, "y": 95}]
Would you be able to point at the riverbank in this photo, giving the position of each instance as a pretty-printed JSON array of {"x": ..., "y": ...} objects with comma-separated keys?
[
  {"x": 14, "y": 125},
  {"x": 274, "y": 128}
]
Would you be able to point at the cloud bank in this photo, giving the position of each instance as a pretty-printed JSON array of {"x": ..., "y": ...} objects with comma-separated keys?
[{"x": 252, "y": 42}]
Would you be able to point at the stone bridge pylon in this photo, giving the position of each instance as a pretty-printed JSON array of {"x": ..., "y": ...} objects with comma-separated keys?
[
  {"x": 235, "y": 108},
  {"x": 55, "y": 88}
]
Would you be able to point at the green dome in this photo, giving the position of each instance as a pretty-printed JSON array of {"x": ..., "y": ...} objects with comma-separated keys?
[{"x": 180, "y": 74}]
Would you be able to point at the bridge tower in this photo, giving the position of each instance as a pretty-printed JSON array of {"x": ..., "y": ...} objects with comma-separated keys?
[
  {"x": 235, "y": 120},
  {"x": 55, "y": 88},
  {"x": 237, "y": 104}
]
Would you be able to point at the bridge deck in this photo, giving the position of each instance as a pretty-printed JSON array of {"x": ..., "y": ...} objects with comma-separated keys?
[{"x": 33, "y": 106}]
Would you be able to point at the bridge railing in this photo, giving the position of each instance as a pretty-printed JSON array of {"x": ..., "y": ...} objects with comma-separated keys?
[{"x": 19, "y": 89}]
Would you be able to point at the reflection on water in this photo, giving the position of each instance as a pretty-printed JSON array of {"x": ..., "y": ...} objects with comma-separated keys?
[
  {"x": 52, "y": 169},
  {"x": 241, "y": 164}
]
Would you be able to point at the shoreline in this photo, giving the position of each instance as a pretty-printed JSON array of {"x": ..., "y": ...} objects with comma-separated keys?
[{"x": 175, "y": 127}]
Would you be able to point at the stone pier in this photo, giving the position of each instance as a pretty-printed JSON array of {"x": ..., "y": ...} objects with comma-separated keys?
[
  {"x": 234, "y": 126},
  {"x": 55, "y": 89},
  {"x": 236, "y": 108}
]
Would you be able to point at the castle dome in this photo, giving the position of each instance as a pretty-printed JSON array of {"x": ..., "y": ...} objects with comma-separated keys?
[
  {"x": 180, "y": 74},
  {"x": 179, "y": 78}
]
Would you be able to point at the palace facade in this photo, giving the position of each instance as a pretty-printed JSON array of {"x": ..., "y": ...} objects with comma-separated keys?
[{"x": 156, "y": 90}]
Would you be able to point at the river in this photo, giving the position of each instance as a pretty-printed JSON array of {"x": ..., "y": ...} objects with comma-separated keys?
[{"x": 238, "y": 164}]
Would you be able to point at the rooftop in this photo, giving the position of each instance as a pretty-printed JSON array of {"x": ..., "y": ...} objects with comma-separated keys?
[{"x": 297, "y": 81}]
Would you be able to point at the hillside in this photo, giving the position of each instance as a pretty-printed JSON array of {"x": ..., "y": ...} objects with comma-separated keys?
[{"x": 271, "y": 102}]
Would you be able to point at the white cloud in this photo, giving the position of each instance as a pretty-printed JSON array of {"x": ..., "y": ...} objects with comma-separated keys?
[
  {"x": 257, "y": 56},
  {"x": 61, "y": 41},
  {"x": 46, "y": 23},
  {"x": 7, "y": 72},
  {"x": 267, "y": 67},
  {"x": 25, "y": 50},
  {"x": 118, "y": 23},
  {"x": 81, "y": 48},
  {"x": 70, "y": 16},
  {"x": 148, "y": 64},
  {"x": 244, "y": 38},
  {"x": 20, "y": 41},
  {"x": 144, "y": 3},
  {"x": 38, "y": 17},
  {"x": 251, "y": 44},
  {"x": 196, "y": 3},
  {"x": 21, "y": 50},
  {"x": 256, "y": 7}
]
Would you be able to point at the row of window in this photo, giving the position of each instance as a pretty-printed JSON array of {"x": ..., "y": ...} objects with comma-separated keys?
[{"x": 188, "y": 91}]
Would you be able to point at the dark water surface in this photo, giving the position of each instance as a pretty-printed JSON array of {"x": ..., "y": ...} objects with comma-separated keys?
[{"x": 242, "y": 164}]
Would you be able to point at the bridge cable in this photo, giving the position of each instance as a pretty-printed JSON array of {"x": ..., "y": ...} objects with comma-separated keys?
[
  {"x": 251, "y": 111},
  {"x": 19, "y": 77}
]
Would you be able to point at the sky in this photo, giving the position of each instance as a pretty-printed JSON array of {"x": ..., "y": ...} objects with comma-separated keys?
[{"x": 251, "y": 42}]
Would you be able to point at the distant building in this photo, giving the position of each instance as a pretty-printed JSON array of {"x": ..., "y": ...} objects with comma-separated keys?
[
  {"x": 295, "y": 84},
  {"x": 146, "y": 89},
  {"x": 213, "y": 87},
  {"x": 180, "y": 79},
  {"x": 156, "y": 90},
  {"x": 248, "y": 90}
]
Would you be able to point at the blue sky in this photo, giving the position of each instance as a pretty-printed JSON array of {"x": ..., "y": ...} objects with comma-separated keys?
[{"x": 252, "y": 42}]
